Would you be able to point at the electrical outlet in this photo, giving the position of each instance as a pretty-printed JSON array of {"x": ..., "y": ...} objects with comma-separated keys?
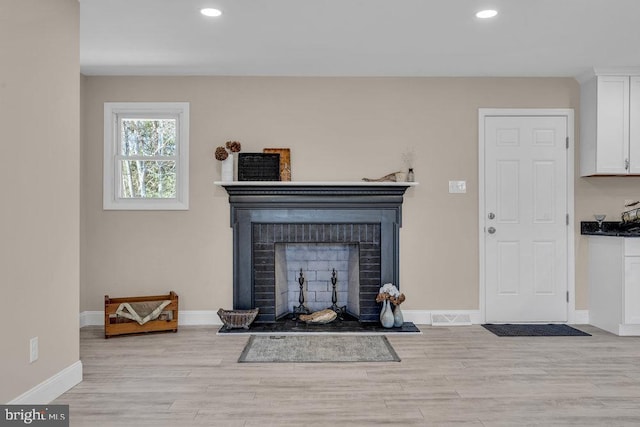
[{"x": 33, "y": 349}]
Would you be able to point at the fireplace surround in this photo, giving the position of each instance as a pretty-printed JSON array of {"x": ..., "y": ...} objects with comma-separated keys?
[{"x": 263, "y": 214}]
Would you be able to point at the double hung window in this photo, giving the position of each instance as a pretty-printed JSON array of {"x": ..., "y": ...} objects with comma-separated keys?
[{"x": 146, "y": 156}]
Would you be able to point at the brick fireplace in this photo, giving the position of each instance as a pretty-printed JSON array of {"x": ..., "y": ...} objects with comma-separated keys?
[{"x": 264, "y": 215}]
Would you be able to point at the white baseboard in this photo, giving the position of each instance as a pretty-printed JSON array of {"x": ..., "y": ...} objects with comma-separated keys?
[
  {"x": 419, "y": 317},
  {"x": 91, "y": 318},
  {"x": 210, "y": 317},
  {"x": 198, "y": 317},
  {"x": 185, "y": 317},
  {"x": 423, "y": 317},
  {"x": 51, "y": 388},
  {"x": 580, "y": 317},
  {"x": 628, "y": 330}
]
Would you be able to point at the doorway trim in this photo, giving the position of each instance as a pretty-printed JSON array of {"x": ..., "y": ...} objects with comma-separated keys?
[{"x": 528, "y": 112}]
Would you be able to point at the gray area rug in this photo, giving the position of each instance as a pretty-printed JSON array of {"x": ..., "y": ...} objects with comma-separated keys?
[{"x": 318, "y": 348}]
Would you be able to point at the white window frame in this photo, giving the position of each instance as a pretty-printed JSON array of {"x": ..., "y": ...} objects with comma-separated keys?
[{"x": 111, "y": 177}]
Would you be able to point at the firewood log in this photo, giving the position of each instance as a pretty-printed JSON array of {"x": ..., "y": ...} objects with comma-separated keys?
[{"x": 322, "y": 316}]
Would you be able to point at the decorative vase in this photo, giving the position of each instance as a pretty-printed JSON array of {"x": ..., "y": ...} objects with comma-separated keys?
[
  {"x": 398, "y": 319},
  {"x": 226, "y": 173},
  {"x": 386, "y": 315},
  {"x": 235, "y": 166}
]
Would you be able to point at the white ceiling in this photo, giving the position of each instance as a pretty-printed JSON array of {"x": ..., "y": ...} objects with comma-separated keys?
[{"x": 358, "y": 37}]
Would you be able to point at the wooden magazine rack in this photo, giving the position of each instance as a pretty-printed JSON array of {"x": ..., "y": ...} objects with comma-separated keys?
[{"x": 116, "y": 325}]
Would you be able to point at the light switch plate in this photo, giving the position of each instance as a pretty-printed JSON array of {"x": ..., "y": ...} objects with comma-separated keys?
[{"x": 457, "y": 186}]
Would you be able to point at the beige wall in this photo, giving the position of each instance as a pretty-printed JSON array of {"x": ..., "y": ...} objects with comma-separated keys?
[
  {"x": 39, "y": 233},
  {"x": 337, "y": 129}
]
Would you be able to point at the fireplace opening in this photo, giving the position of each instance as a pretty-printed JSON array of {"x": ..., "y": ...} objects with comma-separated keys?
[
  {"x": 360, "y": 266},
  {"x": 315, "y": 267}
]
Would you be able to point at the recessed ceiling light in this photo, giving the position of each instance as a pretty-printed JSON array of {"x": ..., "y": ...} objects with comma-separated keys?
[
  {"x": 484, "y": 14},
  {"x": 210, "y": 12}
]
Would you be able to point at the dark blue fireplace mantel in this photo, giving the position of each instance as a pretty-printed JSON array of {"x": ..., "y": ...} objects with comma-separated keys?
[{"x": 311, "y": 206}]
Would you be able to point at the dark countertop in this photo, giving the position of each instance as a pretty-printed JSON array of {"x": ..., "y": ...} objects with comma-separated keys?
[{"x": 609, "y": 228}]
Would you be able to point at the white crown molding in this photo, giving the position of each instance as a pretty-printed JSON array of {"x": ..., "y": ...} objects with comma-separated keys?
[
  {"x": 616, "y": 71},
  {"x": 51, "y": 388},
  {"x": 607, "y": 71}
]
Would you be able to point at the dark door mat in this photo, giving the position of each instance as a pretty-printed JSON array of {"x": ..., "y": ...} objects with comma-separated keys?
[
  {"x": 514, "y": 330},
  {"x": 338, "y": 326}
]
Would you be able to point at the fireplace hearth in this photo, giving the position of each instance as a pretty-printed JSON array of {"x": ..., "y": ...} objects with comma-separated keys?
[
  {"x": 266, "y": 215},
  {"x": 347, "y": 325}
]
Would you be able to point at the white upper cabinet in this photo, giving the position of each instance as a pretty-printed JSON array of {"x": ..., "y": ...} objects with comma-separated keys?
[{"x": 610, "y": 125}]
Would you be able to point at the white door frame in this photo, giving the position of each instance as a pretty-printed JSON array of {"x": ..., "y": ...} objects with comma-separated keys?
[{"x": 528, "y": 112}]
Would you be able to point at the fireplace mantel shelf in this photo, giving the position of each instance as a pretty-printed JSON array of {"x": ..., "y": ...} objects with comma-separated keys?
[
  {"x": 314, "y": 183},
  {"x": 319, "y": 191}
]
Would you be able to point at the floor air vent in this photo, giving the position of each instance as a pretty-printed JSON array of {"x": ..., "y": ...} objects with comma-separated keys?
[{"x": 450, "y": 320}]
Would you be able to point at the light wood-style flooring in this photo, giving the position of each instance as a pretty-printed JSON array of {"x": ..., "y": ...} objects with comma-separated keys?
[{"x": 449, "y": 376}]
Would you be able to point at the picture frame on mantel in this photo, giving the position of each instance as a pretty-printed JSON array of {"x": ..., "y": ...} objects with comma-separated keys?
[{"x": 285, "y": 161}]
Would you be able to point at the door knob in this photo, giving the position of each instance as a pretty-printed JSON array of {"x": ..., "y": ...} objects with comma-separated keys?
[
  {"x": 491, "y": 215},
  {"x": 491, "y": 230}
]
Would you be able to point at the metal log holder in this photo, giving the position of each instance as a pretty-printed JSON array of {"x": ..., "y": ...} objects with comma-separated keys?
[
  {"x": 301, "y": 309},
  {"x": 340, "y": 311}
]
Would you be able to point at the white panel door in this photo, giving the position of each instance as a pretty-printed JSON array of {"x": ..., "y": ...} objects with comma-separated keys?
[{"x": 525, "y": 220}]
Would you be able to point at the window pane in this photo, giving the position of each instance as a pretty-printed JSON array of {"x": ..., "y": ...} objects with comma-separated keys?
[
  {"x": 148, "y": 179},
  {"x": 148, "y": 137}
]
